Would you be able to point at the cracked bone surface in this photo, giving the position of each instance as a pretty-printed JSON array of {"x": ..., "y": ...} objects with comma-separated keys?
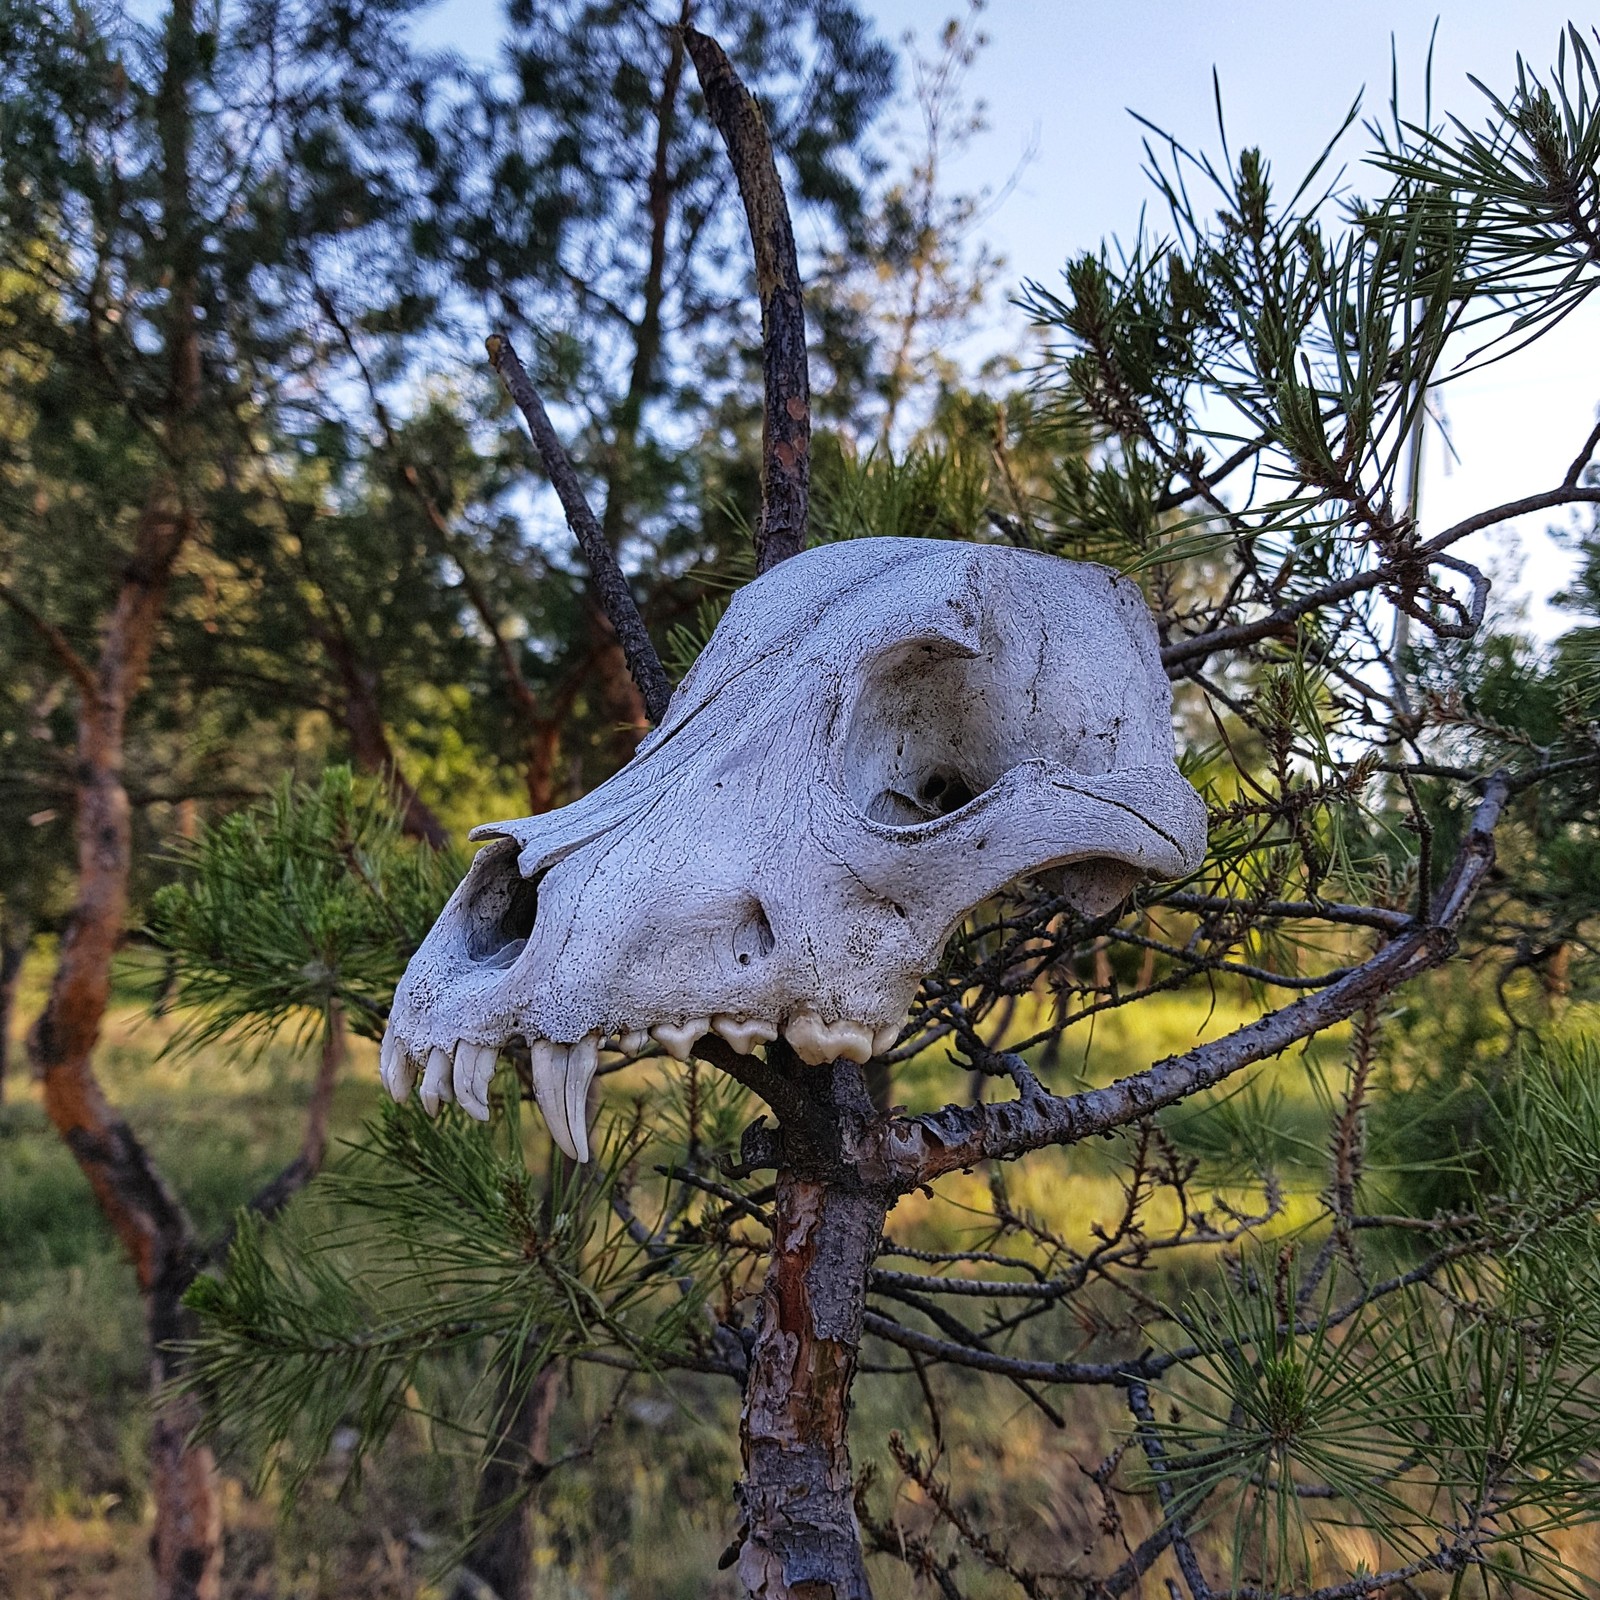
[{"x": 879, "y": 735}]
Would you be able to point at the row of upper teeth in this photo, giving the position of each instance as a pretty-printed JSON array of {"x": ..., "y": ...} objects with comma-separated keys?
[{"x": 562, "y": 1073}]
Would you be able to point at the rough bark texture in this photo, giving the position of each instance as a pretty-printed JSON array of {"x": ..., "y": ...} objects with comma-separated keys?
[
  {"x": 786, "y": 411},
  {"x": 186, "y": 1545},
  {"x": 800, "y": 1540}
]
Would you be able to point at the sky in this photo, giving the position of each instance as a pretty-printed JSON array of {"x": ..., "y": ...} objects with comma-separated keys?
[{"x": 1060, "y": 77}]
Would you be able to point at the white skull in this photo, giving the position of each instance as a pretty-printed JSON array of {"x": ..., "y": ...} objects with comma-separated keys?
[{"x": 879, "y": 735}]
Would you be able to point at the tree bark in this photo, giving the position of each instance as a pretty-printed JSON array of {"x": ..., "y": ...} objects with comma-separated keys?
[
  {"x": 186, "y": 1544},
  {"x": 800, "y": 1540}
]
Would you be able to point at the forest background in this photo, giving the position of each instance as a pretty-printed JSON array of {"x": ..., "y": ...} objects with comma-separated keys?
[{"x": 384, "y": 582}]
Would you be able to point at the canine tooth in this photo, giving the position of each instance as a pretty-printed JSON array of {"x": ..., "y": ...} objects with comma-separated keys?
[
  {"x": 678, "y": 1038},
  {"x": 582, "y": 1060},
  {"x": 744, "y": 1033},
  {"x": 808, "y": 1036},
  {"x": 550, "y": 1089},
  {"x": 395, "y": 1067},
  {"x": 475, "y": 1065},
  {"x": 436, "y": 1090},
  {"x": 886, "y": 1038},
  {"x": 635, "y": 1040}
]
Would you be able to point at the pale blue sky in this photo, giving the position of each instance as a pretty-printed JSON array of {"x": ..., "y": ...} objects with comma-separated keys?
[{"x": 1060, "y": 76}]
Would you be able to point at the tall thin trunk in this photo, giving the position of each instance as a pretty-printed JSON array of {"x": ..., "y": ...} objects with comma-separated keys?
[
  {"x": 14, "y": 940},
  {"x": 800, "y": 1538},
  {"x": 186, "y": 1543},
  {"x": 369, "y": 739},
  {"x": 501, "y": 1555}
]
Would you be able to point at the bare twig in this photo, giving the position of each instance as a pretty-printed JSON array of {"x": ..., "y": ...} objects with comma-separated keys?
[
  {"x": 922, "y": 1148},
  {"x": 786, "y": 413},
  {"x": 616, "y": 598}
]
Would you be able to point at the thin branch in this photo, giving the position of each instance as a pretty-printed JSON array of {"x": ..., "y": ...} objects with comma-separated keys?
[
  {"x": 786, "y": 411},
  {"x": 60, "y": 647},
  {"x": 616, "y": 598},
  {"x": 920, "y": 1149},
  {"x": 1183, "y": 653}
]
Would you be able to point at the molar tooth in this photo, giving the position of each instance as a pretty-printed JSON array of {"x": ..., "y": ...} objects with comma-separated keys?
[
  {"x": 743, "y": 1033},
  {"x": 817, "y": 1042},
  {"x": 582, "y": 1060},
  {"x": 849, "y": 1041},
  {"x": 886, "y": 1038},
  {"x": 395, "y": 1067},
  {"x": 808, "y": 1037},
  {"x": 436, "y": 1090},
  {"x": 678, "y": 1038},
  {"x": 475, "y": 1065},
  {"x": 634, "y": 1041},
  {"x": 550, "y": 1088}
]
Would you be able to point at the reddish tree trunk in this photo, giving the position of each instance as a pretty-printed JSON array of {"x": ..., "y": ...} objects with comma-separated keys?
[
  {"x": 186, "y": 1546},
  {"x": 801, "y": 1540}
]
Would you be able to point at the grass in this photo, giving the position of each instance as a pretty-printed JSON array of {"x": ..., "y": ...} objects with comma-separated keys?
[{"x": 647, "y": 1509}]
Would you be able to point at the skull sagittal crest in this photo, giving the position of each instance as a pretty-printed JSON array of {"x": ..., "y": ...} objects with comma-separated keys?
[{"x": 880, "y": 735}]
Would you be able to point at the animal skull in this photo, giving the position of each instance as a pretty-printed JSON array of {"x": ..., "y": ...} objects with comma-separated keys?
[{"x": 879, "y": 735}]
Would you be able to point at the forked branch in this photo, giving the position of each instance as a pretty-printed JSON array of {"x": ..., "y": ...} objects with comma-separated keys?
[{"x": 919, "y": 1149}]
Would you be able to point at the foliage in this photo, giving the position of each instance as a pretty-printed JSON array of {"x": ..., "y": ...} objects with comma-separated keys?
[
  {"x": 311, "y": 1331},
  {"x": 310, "y": 897}
]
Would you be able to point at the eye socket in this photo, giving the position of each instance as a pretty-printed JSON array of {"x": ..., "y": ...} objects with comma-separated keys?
[
  {"x": 499, "y": 914},
  {"x": 927, "y": 734}
]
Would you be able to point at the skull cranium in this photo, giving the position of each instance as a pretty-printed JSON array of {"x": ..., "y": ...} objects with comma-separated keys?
[{"x": 879, "y": 735}]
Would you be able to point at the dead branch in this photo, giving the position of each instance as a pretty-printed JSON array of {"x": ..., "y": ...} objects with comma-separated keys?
[
  {"x": 616, "y": 598},
  {"x": 920, "y": 1149},
  {"x": 786, "y": 412}
]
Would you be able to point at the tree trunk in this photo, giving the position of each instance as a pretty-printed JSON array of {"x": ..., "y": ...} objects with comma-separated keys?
[
  {"x": 501, "y": 1556},
  {"x": 369, "y": 739},
  {"x": 14, "y": 941},
  {"x": 800, "y": 1539}
]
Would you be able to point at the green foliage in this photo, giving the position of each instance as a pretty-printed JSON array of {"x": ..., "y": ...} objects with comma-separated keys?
[
  {"x": 310, "y": 897},
  {"x": 446, "y": 1241}
]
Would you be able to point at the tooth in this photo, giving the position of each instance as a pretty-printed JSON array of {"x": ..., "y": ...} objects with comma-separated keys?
[
  {"x": 582, "y": 1060},
  {"x": 817, "y": 1042},
  {"x": 550, "y": 1088},
  {"x": 475, "y": 1065},
  {"x": 744, "y": 1033},
  {"x": 395, "y": 1067},
  {"x": 886, "y": 1038},
  {"x": 808, "y": 1036},
  {"x": 678, "y": 1039},
  {"x": 634, "y": 1041},
  {"x": 436, "y": 1090}
]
